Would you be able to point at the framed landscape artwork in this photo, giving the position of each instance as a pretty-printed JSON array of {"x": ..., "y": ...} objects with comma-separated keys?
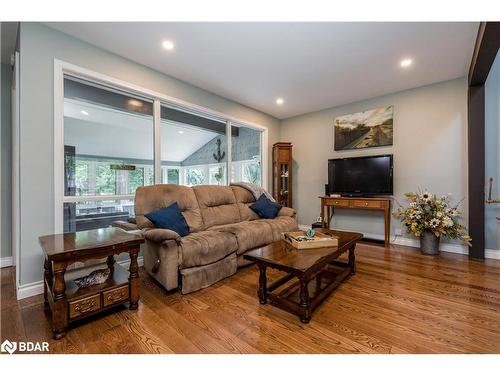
[{"x": 371, "y": 128}]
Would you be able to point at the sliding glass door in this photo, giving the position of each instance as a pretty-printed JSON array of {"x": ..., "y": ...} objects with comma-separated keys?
[
  {"x": 108, "y": 146},
  {"x": 114, "y": 141}
]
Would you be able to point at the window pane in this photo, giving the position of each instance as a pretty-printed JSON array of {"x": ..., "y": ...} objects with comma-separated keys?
[
  {"x": 108, "y": 138},
  {"x": 246, "y": 155},
  {"x": 193, "y": 148},
  {"x": 88, "y": 215}
]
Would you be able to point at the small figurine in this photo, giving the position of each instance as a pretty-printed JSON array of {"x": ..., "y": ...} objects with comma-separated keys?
[
  {"x": 93, "y": 278},
  {"x": 310, "y": 233}
]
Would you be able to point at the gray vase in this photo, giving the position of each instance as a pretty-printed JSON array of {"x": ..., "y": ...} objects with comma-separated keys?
[{"x": 429, "y": 243}]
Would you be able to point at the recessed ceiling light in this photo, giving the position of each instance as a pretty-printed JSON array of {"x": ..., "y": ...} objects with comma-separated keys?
[
  {"x": 168, "y": 45},
  {"x": 84, "y": 113},
  {"x": 279, "y": 101},
  {"x": 181, "y": 131},
  {"x": 134, "y": 103},
  {"x": 406, "y": 63}
]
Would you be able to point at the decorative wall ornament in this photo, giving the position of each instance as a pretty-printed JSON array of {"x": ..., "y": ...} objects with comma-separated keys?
[
  {"x": 371, "y": 128},
  {"x": 219, "y": 156}
]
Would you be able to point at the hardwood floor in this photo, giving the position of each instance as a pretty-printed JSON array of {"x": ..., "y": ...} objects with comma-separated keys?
[{"x": 399, "y": 301}]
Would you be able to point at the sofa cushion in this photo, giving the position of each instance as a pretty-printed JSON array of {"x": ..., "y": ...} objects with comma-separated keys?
[
  {"x": 217, "y": 205},
  {"x": 150, "y": 198},
  {"x": 249, "y": 234},
  {"x": 266, "y": 208},
  {"x": 169, "y": 218},
  {"x": 280, "y": 224},
  {"x": 201, "y": 248},
  {"x": 244, "y": 199}
]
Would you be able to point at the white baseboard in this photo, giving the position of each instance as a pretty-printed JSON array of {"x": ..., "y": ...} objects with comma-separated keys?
[
  {"x": 35, "y": 288},
  {"x": 492, "y": 254},
  {"x": 29, "y": 290},
  {"x": 6, "y": 262},
  {"x": 414, "y": 242}
]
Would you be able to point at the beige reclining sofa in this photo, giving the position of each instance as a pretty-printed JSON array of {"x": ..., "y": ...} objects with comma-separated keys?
[{"x": 222, "y": 227}]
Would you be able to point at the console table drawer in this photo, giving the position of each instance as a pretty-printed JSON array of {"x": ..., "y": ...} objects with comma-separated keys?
[
  {"x": 116, "y": 295},
  {"x": 338, "y": 203},
  {"x": 84, "y": 306},
  {"x": 366, "y": 204}
]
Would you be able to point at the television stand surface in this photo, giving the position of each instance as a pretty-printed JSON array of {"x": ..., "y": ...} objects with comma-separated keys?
[{"x": 329, "y": 204}]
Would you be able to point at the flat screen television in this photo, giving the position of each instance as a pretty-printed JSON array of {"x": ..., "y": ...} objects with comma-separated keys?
[{"x": 361, "y": 176}]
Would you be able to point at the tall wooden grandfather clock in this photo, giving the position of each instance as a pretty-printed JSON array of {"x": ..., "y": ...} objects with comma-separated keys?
[{"x": 282, "y": 173}]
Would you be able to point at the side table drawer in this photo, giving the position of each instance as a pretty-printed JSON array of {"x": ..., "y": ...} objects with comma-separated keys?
[
  {"x": 84, "y": 306},
  {"x": 367, "y": 204},
  {"x": 338, "y": 203},
  {"x": 111, "y": 297}
]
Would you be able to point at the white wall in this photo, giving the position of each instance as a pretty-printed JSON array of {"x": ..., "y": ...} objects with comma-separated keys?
[
  {"x": 492, "y": 151},
  {"x": 39, "y": 45},
  {"x": 5, "y": 136},
  {"x": 429, "y": 150}
]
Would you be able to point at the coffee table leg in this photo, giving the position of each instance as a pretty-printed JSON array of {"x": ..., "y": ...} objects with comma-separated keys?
[
  {"x": 304, "y": 301},
  {"x": 134, "y": 280},
  {"x": 352, "y": 260},
  {"x": 262, "y": 285}
]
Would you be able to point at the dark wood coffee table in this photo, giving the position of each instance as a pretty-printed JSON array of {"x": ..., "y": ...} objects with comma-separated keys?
[
  {"x": 69, "y": 303},
  {"x": 318, "y": 273}
]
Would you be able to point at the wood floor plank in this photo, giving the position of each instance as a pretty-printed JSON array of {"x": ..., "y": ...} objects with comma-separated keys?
[{"x": 399, "y": 301}]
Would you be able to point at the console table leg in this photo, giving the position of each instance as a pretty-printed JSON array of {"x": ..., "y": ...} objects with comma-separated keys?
[
  {"x": 60, "y": 308},
  {"x": 304, "y": 301},
  {"x": 134, "y": 280},
  {"x": 262, "y": 285},
  {"x": 352, "y": 260},
  {"x": 387, "y": 227}
]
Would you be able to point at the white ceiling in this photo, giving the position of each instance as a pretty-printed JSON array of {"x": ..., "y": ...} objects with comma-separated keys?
[
  {"x": 311, "y": 65},
  {"x": 108, "y": 132}
]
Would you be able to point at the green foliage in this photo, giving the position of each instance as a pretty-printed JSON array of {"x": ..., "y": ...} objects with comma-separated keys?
[
  {"x": 135, "y": 179},
  {"x": 105, "y": 180},
  {"x": 195, "y": 177},
  {"x": 251, "y": 173},
  {"x": 173, "y": 176}
]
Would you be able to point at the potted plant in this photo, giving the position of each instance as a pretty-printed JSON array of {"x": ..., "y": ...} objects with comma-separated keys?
[{"x": 430, "y": 217}]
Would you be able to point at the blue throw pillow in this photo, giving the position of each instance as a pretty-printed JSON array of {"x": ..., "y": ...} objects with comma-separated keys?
[
  {"x": 266, "y": 208},
  {"x": 169, "y": 218}
]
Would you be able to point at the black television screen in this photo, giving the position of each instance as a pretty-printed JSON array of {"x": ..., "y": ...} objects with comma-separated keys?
[{"x": 370, "y": 175}]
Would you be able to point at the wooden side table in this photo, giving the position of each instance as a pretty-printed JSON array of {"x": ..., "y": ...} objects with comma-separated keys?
[
  {"x": 357, "y": 203},
  {"x": 69, "y": 303}
]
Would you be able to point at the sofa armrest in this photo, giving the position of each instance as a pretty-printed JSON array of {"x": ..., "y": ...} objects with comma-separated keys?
[
  {"x": 287, "y": 211},
  {"x": 124, "y": 225},
  {"x": 160, "y": 235}
]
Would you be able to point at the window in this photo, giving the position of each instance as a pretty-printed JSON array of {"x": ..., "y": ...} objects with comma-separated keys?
[
  {"x": 170, "y": 175},
  {"x": 246, "y": 155},
  {"x": 196, "y": 144},
  {"x": 109, "y": 140}
]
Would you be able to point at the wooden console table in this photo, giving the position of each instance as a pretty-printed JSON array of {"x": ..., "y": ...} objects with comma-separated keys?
[
  {"x": 68, "y": 302},
  {"x": 381, "y": 204}
]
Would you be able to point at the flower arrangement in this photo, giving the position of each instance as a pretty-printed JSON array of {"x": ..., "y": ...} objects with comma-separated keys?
[{"x": 428, "y": 213}]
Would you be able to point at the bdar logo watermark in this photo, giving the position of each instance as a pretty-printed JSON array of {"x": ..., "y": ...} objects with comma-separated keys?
[{"x": 24, "y": 346}]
